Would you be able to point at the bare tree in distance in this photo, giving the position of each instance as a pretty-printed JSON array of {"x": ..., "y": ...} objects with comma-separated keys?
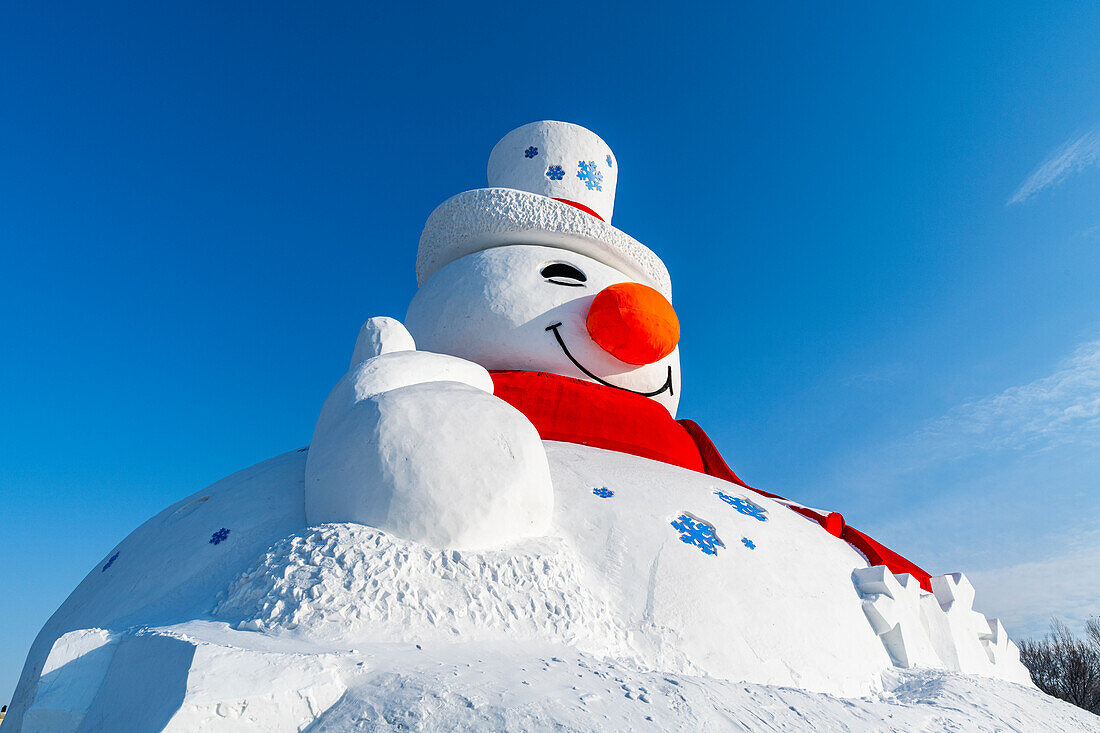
[{"x": 1064, "y": 666}]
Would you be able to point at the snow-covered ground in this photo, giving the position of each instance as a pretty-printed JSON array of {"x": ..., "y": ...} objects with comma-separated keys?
[
  {"x": 205, "y": 676},
  {"x": 488, "y": 687}
]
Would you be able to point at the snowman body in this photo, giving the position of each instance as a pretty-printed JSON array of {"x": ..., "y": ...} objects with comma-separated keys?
[
  {"x": 430, "y": 539},
  {"x": 283, "y": 623}
]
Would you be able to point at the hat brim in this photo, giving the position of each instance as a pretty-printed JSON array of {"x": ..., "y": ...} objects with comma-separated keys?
[{"x": 494, "y": 217}]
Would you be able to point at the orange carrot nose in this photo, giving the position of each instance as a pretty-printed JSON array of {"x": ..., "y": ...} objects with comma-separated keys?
[{"x": 634, "y": 323}]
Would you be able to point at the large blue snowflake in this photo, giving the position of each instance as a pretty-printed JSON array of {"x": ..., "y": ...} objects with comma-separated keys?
[
  {"x": 590, "y": 175},
  {"x": 696, "y": 532},
  {"x": 219, "y": 536},
  {"x": 744, "y": 506},
  {"x": 555, "y": 173}
]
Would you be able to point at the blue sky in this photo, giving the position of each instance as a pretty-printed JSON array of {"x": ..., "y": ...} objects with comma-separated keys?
[{"x": 882, "y": 224}]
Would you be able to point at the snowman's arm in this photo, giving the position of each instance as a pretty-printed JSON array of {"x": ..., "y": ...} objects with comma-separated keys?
[
  {"x": 381, "y": 335},
  {"x": 415, "y": 444},
  {"x": 385, "y": 359}
]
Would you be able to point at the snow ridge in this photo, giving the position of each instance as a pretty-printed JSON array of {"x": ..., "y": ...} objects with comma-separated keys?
[{"x": 357, "y": 583}]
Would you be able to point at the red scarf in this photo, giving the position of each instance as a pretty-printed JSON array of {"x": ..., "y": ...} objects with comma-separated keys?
[{"x": 574, "y": 411}]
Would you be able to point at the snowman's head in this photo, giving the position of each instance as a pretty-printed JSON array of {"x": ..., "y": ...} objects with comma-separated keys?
[
  {"x": 540, "y": 308},
  {"x": 530, "y": 275}
]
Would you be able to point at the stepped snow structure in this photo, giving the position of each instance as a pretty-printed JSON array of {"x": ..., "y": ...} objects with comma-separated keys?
[{"x": 500, "y": 523}]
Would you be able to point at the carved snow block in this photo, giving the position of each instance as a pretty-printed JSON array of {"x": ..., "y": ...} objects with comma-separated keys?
[
  {"x": 954, "y": 627},
  {"x": 877, "y": 580},
  {"x": 892, "y": 606},
  {"x": 995, "y": 640},
  {"x": 1004, "y": 654},
  {"x": 251, "y": 691},
  {"x": 70, "y": 679}
]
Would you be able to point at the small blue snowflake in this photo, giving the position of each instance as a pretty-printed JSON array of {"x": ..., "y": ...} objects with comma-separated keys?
[
  {"x": 744, "y": 506},
  {"x": 530, "y": 152},
  {"x": 219, "y": 536},
  {"x": 696, "y": 532},
  {"x": 110, "y": 562},
  {"x": 609, "y": 165},
  {"x": 590, "y": 175},
  {"x": 603, "y": 493},
  {"x": 555, "y": 173},
  {"x": 748, "y": 543}
]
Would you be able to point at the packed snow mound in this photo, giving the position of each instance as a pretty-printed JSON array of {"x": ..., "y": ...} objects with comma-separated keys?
[
  {"x": 473, "y": 221},
  {"x": 359, "y": 584},
  {"x": 231, "y": 613},
  {"x": 205, "y": 676},
  {"x": 490, "y": 687}
]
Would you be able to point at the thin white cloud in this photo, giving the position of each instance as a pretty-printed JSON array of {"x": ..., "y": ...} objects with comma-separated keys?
[
  {"x": 1025, "y": 596},
  {"x": 1060, "y": 408},
  {"x": 1025, "y": 512},
  {"x": 1074, "y": 156}
]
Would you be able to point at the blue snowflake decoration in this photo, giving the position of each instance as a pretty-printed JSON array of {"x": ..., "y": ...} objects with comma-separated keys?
[
  {"x": 555, "y": 173},
  {"x": 603, "y": 492},
  {"x": 590, "y": 175},
  {"x": 110, "y": 562},
  {"x": 698, "y": 533},
  {"x": 748, "y": 543},
  {"x": 530, "y": 152},
  {"x": 219, "y": 536},
  {"x": 609, "y": 165},
  {"x": 746, "y": 507}
]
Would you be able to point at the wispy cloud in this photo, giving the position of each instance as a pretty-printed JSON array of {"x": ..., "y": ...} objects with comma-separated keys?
[
  {"x": 1026, "y": 595},
  {"x": 1091, "y": 233},
  {"x": 1004, "y": 488},
  {"x": 1074, "y": 156},
  {"x": 1059, "y": 408}
]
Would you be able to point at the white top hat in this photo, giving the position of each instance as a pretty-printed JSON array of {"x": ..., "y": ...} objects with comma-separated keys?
[
  {"x": 559, "y": 160},
  {"x": 553, "y": 183}
]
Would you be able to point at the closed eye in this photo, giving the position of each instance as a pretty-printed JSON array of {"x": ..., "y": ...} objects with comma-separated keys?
[{"x": 562, "y": 273}]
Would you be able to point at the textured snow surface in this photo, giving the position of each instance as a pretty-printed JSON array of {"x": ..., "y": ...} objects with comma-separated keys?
[
  {"x": 489, "y": 687},
  {"x": 203, "y": 676},
  {"x": 784, "y": 613},
  {"x": 355, "y": 584},
  {"x": 491, "y": 217},
  {"x": 381, "y": 335}
]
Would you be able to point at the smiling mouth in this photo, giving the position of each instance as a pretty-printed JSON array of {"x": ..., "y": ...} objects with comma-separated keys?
[{"x": 668, "y": 380}]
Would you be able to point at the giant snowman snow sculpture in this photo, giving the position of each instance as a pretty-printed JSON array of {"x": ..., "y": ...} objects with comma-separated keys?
[{"x": 500, "y": 522}]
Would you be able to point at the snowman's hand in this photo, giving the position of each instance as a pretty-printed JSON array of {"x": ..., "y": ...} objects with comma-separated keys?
[
  {"x": 381, "y": 335},
  {"x": 386, "y": 359},
  {"x": 399, "y": 369},
  {"x": 414, "y": 443}
]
